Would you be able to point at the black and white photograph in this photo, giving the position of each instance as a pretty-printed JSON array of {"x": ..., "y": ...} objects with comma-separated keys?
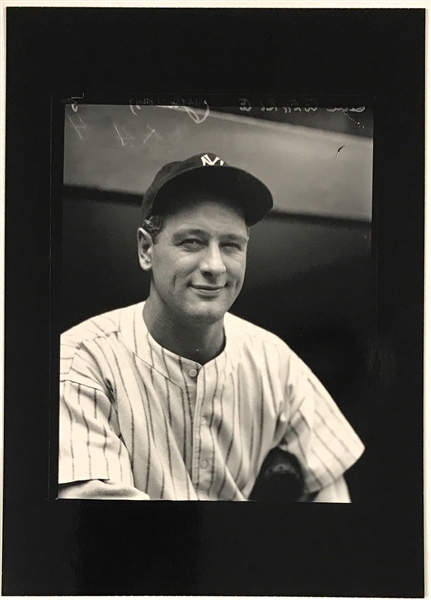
[
  {"x": 170, "y": 387},
  {"x": 214, "y": 300}
]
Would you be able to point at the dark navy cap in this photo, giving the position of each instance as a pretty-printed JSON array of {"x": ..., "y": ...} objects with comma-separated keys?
[{"x": 209, "y": 171}]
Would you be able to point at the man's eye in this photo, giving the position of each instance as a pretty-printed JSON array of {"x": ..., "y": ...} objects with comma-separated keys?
[
  {"x": 192, "y": 243},
  {"x": 232, "y": 246}
]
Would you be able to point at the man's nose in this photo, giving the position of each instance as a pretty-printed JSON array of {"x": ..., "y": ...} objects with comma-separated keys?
[{"x": 212, "y": 261}]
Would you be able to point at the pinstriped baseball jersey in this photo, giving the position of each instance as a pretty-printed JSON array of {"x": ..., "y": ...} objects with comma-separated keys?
[{"x": 135, "y": 413}]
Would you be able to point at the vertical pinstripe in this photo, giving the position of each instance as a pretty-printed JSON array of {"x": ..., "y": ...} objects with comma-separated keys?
[
  {"x": 135, "y": 341},
  {"x": 168, "y": 446},
  {"x": 72, "y": 454},
  {"x": 132, "y": 416},
  {"x": 221, "y": 420},
  {"x": 271, "y": 386},
  {"x": 162, "y": 488},
  {"x": 221, "y": 411},
  {"x": 105, "y": 445},
  {"x": 229, "y": 448},
  {"x": 168, "y": 396},
  {"x": 88, "y": 431},
  {"x": 95, "y": 403},
  {"x": 131, "y": 411},
  {"x": 168, "y": 403},
  {"x": 145, "y": 404},
  {"x": 251, "y": 453},
  {"x": 214, "y": 475},
  {"x": 239, "y": 402},
  {"x": 148, "y": 410},
  {"x": 180, "y": 363},
  {"x": 213, "y": 455},
  {"x": 119, "y": 457},
  {"x": 110, "y": 412},
  {"x": 199, "y": 429},
  {"x": 262, "y": 413}
]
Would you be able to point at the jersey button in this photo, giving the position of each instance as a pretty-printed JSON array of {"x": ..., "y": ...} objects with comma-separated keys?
[
  {"x": 204, "y": 464},
  {"x": 193, "y": 372},
  {"x": 203, "y": 420}
]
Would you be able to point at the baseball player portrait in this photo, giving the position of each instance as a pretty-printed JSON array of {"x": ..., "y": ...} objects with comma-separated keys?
[{"x": 175, "y": 398}]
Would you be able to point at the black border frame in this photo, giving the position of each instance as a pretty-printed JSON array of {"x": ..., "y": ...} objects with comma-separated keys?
[{"x": 91, "y": 548}]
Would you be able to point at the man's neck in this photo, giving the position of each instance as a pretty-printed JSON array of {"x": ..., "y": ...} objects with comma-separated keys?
[{"x": 199, "y": 343}]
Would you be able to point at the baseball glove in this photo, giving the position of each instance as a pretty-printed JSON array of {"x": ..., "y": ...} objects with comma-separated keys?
[{"x": 280, "y": 479}]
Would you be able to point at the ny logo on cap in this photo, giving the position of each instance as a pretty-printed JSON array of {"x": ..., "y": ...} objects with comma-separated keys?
[{"x": 207, "y": 161}]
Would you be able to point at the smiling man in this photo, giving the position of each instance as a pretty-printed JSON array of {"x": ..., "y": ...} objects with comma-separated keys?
[{"x": 177, "y": 399}]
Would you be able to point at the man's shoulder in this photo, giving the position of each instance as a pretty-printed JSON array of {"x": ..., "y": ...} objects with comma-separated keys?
[
  {"x": 90, "y": 334},
  {"x": 98, "y": 326},
  {"x": 245, "y": 330}
]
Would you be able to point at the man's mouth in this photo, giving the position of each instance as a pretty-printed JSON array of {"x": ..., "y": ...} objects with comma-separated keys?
[{"x": 208, "y": 290}]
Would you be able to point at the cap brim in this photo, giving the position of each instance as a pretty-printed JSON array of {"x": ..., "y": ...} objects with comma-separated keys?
[{"x": 245, "y": 189}]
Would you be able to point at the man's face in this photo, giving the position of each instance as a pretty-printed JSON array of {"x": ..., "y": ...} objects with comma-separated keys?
[{"x": 198, "y": 261}]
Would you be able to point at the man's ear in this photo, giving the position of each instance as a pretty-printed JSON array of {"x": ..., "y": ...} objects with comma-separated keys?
[{"x": 145, "y": 249}]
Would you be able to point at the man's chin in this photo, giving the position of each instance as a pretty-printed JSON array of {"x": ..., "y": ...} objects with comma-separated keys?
[
  {"x": 208, "y": 317},
  {"x": 207, "y": 314}
]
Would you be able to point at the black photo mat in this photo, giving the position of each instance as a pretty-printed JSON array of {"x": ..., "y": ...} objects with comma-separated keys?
[{"x": 372, "y": 548}]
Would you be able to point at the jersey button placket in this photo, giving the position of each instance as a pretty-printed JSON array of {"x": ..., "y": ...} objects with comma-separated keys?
[
  {"x": 193, "y": 374},
  {"x": 201, "y": 460}
]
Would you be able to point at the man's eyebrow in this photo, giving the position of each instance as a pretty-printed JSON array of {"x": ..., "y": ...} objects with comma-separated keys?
[
  {"x": 235, "y": 237},
  {"x": 189, "y": 231}
]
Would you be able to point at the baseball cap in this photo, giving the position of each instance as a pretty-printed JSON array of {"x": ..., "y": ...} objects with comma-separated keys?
[{"x": 209, "y": 171}]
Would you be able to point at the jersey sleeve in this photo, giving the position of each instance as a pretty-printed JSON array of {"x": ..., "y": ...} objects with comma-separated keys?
[
  {"x": 316, "y": 431},
  {"x": 90, "y": 444}
]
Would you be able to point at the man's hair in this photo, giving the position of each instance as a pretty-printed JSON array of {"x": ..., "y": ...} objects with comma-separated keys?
[{"x": 154, "y": 225}]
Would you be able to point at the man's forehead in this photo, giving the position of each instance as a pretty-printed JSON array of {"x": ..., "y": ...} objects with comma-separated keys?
[{"x": 207, "y": 219}]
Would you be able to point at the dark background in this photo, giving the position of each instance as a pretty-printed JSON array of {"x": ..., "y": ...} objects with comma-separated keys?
[{"x": 370, "y": 548}]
